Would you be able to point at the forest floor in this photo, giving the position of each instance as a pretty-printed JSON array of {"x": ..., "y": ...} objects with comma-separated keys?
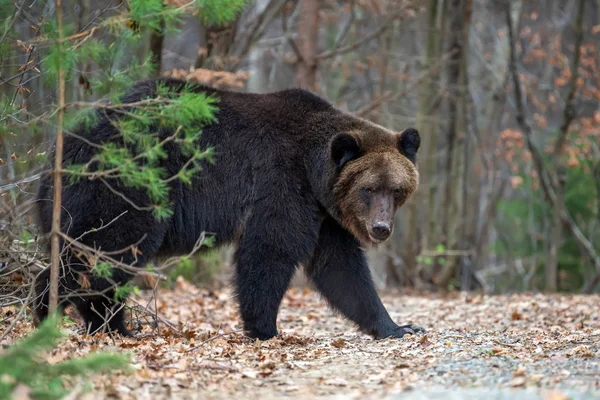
[{"x": 476, "y": 347}]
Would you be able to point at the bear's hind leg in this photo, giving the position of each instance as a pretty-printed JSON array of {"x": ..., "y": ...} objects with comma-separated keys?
[
  {"x": 133, "y": 240},
  {"x": 67, "y": 284},
  {"x": 102, "y": 313},
  {"x": 98, "y": 306}
]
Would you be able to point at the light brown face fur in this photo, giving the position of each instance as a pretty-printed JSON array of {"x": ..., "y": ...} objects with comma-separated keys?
[{"x": 372, "y": 187}]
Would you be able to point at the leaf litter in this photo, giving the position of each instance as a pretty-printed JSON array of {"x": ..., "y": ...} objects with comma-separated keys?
[{"x": 546, "y": 343}]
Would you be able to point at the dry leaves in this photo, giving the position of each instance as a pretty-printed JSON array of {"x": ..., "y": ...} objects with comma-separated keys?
[
  {"x": 216, "y": 79},
  {"x": 517, "y": 341}
]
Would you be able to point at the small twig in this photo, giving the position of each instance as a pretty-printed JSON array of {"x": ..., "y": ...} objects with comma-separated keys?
[
  {"x": 17, "y": 300},
  {"x": 121, "y": 195},
  {"x": 156, "y": 315},
  {"x": 10, "y": 186},
  {"x": 390, "y": 96}
]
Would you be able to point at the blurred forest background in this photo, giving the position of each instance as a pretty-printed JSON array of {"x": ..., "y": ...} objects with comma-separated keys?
[{"x": 505, "y": 94}]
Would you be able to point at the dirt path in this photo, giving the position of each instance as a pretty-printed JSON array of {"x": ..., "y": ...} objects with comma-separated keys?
[{"x": 517, "y": 347}]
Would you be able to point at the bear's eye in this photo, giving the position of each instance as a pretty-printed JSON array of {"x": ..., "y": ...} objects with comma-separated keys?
[
  {"x": 398, "y": 191},
  {"x": 369, "y": 190}
]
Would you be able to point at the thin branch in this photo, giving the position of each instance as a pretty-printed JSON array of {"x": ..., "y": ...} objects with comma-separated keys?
[
  {"x": 390, "y": 96},
  {"x": 346, "y": 28},
  {"x": 351, "y": 47},
  {"x": 121, "y": 195}
]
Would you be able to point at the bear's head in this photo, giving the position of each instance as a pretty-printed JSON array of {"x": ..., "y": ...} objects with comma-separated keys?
[{"x": 376, "y": 173}]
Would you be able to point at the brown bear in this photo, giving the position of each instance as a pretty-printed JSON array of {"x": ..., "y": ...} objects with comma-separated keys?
[{"x": 295, "y": 181}]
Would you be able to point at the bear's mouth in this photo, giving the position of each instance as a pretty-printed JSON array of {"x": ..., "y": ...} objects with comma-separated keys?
[{"x": 375, "y": 240}]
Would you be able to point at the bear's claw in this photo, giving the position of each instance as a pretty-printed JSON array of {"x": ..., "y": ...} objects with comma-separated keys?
[{"x": 410, "y": 329}]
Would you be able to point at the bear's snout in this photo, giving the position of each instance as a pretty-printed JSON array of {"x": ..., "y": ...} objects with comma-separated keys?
[{"x": 381, "y": 231}]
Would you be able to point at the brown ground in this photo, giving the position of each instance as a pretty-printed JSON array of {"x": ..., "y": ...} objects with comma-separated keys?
[{"x": 476, "y": 347}]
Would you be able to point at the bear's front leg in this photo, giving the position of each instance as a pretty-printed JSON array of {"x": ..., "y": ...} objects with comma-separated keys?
[
  {"x": 340, "y": 272},
  {"x": 274, "y": 243}
]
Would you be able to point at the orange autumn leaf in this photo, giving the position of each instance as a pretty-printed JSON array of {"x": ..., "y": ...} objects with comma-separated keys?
[
  {"x": 540, "y": 120},
  {"x": 560, "y": 81},
  {"x": 573, "y": 161},
  {"x": 586, "y": 122},
  {"x": 515, "y": 182}
]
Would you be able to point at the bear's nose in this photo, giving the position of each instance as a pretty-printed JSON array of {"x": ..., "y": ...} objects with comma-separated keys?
[{"x": 381, "y": 231}]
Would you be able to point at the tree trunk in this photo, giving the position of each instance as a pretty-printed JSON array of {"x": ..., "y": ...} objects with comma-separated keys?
[
  {"x": 468, "y": 213},
  {"x": 308, "y": 32},
  {"x": 432, "y": 232},
  {"x": 426, "y": 129},
  {"x": 551, "y": 271},
  {"x": 457, "y": 10},
  {"x": 56, "y": 209}
]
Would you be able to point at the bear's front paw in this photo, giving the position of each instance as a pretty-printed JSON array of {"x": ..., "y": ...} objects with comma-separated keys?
[
  {"x": 400, "y": 331},
  {"x": 256, "y": 331},
  {"x": 409, "y": 329}
]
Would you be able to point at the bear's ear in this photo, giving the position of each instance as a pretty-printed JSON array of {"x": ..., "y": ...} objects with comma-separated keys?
[
  {"x": 408, "y": 144},
  {"x": 344, "y": 147}
]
